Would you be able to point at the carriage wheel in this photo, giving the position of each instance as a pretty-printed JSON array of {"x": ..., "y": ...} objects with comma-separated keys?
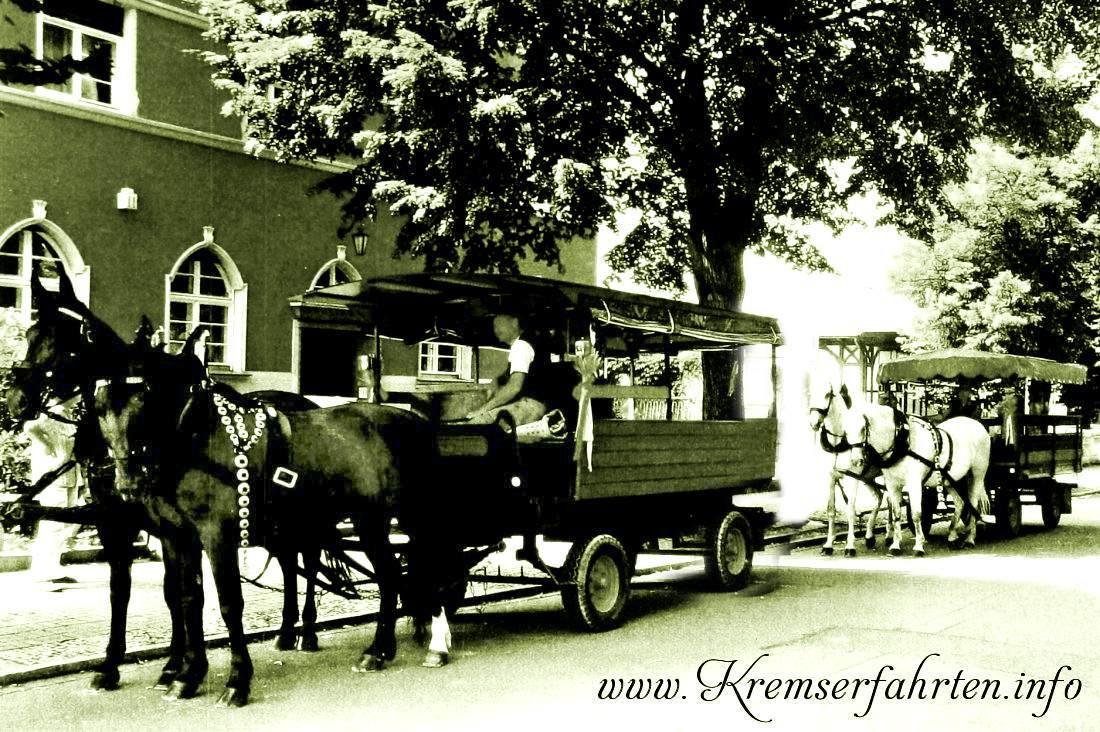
[
  {"x": 1008, "y": 511},
  {"x": 599, "y": 583},
  {"x": 728, "y": 561},
  {"x": 1050, "y": 500},
  {"x": 929, "y": 504}
]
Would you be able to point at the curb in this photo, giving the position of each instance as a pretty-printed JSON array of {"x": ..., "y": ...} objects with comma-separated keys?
[{"x": 149, "y": 653}]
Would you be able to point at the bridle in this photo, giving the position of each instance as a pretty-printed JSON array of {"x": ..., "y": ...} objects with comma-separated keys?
[
  {"x": 841, "y": 443},
  {"x": 50, "y": 386}
]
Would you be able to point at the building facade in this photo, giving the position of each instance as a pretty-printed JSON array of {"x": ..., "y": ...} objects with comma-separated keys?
[{"x": 133, "y": 182}]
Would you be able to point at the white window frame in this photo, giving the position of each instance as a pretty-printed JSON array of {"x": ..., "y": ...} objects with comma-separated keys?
[
  {"x": 123, "y": 73},
  {"x": 236, "y": 302},
  {"x": 329, "y": 267},
  {"x": 22, "y": 281},
  {"x": 463, "y": 362}
]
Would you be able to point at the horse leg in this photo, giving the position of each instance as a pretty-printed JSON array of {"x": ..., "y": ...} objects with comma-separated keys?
[
  {"x": 850, "y": 545},
  {"x": 830, "y": 510},
  {"x": 221, "y": 549},
  {"x": 288, "y": 634},
  {"x": 869, "y": 532},
  {"x": 894, "y": 491},
  {"x": 311, "y": 560},
  {"x": 439, "y": 648},
  {"x": 915, "y": 488},
  {"x": 183, "y": 561},
  {"x": 979, "y": 497},
  {"x": 374, "y": 531},
  {"x": 117, "y": 544}
]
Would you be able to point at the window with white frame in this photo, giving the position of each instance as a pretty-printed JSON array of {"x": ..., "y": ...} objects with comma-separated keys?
[
  {"x": 205, "y": 289},
  {"x": 444, "y": 361},
  {"x": 335, "y": 272},
  {"x": 88, "y": 29},
  {"x": 27, "y": 251}
]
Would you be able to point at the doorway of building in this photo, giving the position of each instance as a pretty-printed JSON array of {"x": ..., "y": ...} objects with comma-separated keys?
[{"x": 327, "y": 361}]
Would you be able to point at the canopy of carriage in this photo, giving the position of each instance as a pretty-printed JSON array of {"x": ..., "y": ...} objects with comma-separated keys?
[
  {"x": 415, "y": 307},
  {"x": 972, "y": 365}
]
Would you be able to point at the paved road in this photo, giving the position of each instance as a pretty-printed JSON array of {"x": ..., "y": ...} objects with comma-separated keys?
[{"x": 1010, "y": 612}]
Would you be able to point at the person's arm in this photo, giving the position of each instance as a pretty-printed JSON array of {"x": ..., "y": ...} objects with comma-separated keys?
[{"x": 504, "y": 395}]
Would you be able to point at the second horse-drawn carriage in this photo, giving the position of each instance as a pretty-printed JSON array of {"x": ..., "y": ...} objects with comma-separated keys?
[{"x": 1034, "y": 454}]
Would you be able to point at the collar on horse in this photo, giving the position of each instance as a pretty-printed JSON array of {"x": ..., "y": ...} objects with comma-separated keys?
[{"x": 899, "y": 445}]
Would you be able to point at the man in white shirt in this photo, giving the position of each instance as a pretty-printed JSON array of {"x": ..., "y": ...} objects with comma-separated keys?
[{"x": 511, "y": 392}]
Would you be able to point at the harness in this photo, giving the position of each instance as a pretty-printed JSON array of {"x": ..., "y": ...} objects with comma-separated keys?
[{"x": 841, "y": 444}]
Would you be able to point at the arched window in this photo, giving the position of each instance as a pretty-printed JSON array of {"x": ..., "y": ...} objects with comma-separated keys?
[
  {"x": 335, "y": 272},
  {"x": 205, "y": 288},
  {"x": 25, "y": 251}
]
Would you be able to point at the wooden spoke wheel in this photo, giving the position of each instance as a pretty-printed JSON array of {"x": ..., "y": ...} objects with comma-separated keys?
[
  {"x": 728, "y": 560},
  {"x": 1050, "y": 500},
  {"x": 1008, "y": 511},
  {"x": 600, "y": 583}
]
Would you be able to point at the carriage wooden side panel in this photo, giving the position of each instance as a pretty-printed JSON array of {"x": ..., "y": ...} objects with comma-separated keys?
[{"x": 640, "y": 458}]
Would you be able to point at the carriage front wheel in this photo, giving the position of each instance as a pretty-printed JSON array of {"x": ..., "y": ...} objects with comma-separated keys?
[
  {"x": 1050, "y": 500},
  {"x": 728, "y": 561},
  {"x": 1008, "y": 511},
  {"x": 599, "y": 582}
]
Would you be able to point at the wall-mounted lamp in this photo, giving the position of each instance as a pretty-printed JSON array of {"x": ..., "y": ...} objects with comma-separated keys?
[
  {"x": 359, "y": 240},
  {"x": 126, "y": 200}
]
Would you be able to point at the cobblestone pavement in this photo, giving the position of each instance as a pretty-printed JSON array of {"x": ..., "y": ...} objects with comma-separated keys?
[{"x": 47, "y": 627}]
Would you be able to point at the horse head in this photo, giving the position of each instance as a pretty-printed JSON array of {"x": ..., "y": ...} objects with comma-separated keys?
[
  {"x": 151, "y": 405},
  {"x": 828, "y": 419},
  {"x": 53, "y": 368}
]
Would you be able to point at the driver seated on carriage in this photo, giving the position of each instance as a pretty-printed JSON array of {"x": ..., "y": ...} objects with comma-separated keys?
[{"x": 518, "y": 391}]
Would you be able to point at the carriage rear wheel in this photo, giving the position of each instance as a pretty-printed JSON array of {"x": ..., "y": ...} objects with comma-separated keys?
[
  {"x": 1008, "y": 511},
  {"x": 599, "y": 583},
  {"x": 728, "y": 561},
  {"x": 1050, "y": 501},
  {"x": 929, "y": 503}
]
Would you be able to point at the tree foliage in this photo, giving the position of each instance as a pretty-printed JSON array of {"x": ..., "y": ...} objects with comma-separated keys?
[
  {"x": 500, "y": 130},
  {"x": 1012, "y": 264}
]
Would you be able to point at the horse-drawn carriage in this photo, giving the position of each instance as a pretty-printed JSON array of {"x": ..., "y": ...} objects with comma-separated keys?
[
  {"x": 1031, "y": 453},
  {"x": 611, "y": 487}
]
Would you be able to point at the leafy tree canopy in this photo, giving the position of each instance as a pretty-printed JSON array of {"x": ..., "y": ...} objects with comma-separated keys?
[
  {"x": 1012, "y": 265},
  {"x": 500, "y": 129}
]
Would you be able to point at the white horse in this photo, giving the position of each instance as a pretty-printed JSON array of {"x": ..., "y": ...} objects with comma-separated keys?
[
  {"x": 828, "y": 422},
  {"x": 954, "y": 456}
]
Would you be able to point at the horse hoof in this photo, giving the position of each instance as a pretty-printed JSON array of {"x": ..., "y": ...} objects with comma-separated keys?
[
  {"x": 106, "y": 680},
  {"x": 284, "y": 643},
  {"x": 918, "y": 552},
  {"x": 827, "y": 551},
  {"x": 180, "y": 690},
  {"x": 369, "y": 664},
  {"x": 849, "y": 552},
  {"x": 871, "y": 542},
  {"x": 233, "y": 697},
  {"x": 894, "y": 551},
  {"x": 435, "y": 659},
  {"x": 308, "y": 643}
]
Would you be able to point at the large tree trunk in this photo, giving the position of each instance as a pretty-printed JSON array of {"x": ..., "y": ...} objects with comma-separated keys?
[{"x": 723, "y": 371}]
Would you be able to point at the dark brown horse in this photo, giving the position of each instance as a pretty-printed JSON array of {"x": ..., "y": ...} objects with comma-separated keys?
[
  {"x": 237, "y": 474},
  {"x": 68, "y": 349}
]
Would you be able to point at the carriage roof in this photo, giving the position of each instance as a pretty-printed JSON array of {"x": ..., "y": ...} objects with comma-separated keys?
[
  {"x": 952, "y": 364},
  {"x": 412, "y": 305}
]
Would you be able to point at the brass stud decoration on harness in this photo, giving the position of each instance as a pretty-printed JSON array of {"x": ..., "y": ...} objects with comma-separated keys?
[{"x": 233, "y": 420}]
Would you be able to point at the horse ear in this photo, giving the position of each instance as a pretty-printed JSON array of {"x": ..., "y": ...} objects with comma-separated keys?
[
  {"x": 144, "y": 332},
  {"x": 845, "y": 396}
]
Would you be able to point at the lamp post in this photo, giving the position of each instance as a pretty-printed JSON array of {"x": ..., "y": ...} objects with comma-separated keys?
[{"x": 359, "y": 240}]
